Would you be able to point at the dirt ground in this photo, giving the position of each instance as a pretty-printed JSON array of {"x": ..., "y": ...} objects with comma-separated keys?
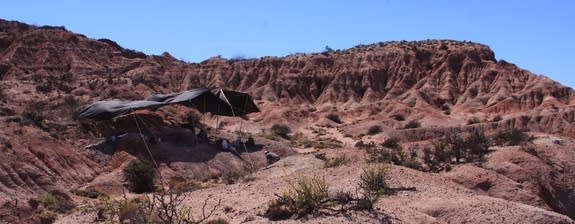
[{"x": 445, "y": 197}]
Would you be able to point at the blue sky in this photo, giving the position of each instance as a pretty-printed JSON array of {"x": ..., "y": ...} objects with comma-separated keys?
[{"x": 535, "y": 35}]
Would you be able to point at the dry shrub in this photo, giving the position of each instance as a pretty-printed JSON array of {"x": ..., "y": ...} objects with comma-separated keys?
[
  {"x": 334, "y": 117},
  {"x": 412, "y": 124},
  {"x": 305, "y": 196},
  {"x": 512, "y": 137},
  {"x": 473, "y": 120},
  {"x": 373, "y": 181},
  {"x": 234, "y": 175},
  {"x": 140, "y": 176},
  {"x": 335, "y": 162},
  {"x": 46, "y": 216},
  {"x": 217, "y": 221},
  {"x": 280, "y": 130},
  {"x": 376, "y": 129},
  {"x": 398, "y": 117},
  {"x": 311, "y": 196},
  {"x": 278, "y": 210},
  {"x": 163, "y": 207},
  {"x": 56, "y": 201},
  {"x": 88, "y": 193}
]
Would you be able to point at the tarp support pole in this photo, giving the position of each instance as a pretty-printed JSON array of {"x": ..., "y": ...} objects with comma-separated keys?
[{"x": 149, "y": 151}]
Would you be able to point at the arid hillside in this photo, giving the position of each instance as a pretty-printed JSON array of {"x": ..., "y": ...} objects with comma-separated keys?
[{"x": 48, "y": 74}]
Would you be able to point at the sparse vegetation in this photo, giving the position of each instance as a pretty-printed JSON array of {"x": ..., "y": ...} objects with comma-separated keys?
[
  {"x": 373, "y": 130},
  {"x": 497, "y": 118},
  {"x": 300, "y": 140},
  {"x": 478, "y": 144},
  {"x": 392, "y": 143},
  {"x": 473, "y": 120},
  {"x": 310, "y": 196},
  {"x": 373, "y": 181},
  {"x": 412, "y": 124},
  {"x": 161, "y": 207},
  {"x": 217, "y": 221},
  {"x": 334, "y": 117},
  {"x": 398, "y": 117},
  {"x": 46, "y": 216},
  {"x": 379, "y": 155},
  {"x": 456, "y": 149},
  {"x": 445, "y": 107},
  {"x": 51, "y": 203},
  {"x": 280, "y": 130},
  {"x": 305, "y": 196},
  {"x": 390, "y": 151},
  {"x": 88, "y": 193},
  {"x": 193, "y": 118},
  {"x": 55, "y": 201},
  {"x": 335, "y": 162},
  {"x": 140, "y": 176},
  {"x": 2, "y": 93},
  {"x": 234, "y": 175},
  {"x": 512, "y": 137}
]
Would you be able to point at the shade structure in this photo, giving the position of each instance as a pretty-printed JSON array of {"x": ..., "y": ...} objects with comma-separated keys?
[
  {"x": 107, "y": 110},
  {"x": 240, "y": 103},
  {"x": 214, "y": 101},
  {"x": 200, "y": 98}
]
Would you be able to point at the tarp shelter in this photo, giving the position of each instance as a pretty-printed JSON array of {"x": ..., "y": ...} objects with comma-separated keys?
[
  {"x": 201, "y": 98},
  {"x": 240, "y": 103},
  {"x": 215, "y": 101},
  {"x": 107, "y": 110}
]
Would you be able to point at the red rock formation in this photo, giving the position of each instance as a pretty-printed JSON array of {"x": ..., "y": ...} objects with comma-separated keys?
[{"x": 48, "y": 73}]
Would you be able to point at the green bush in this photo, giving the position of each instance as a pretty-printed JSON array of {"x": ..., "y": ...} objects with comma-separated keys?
[
  {"x": 140, "y": 176},
  {"x": 280, "y": 130},
  {"x": 374, "y": 130},
  {"x": 412, "y": 124},
  {"x": 334, "y": 117}
]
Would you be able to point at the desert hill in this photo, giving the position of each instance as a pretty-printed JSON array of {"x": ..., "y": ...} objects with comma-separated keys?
[{"x": 48, "y": 74}]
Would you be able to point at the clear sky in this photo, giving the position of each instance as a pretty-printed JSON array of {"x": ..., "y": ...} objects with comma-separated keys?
[{"x": 535, "y": 35}]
